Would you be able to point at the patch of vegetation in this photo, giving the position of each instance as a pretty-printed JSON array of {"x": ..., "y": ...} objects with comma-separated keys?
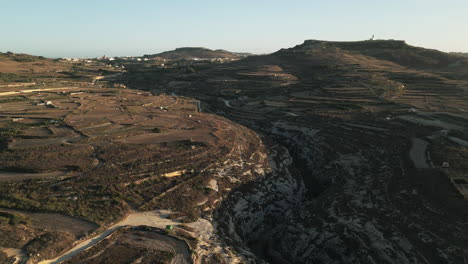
[
  {"x": 72, "y": 75},
  {"x": 15, "y": 236},
  {"x": 13, "y": 99},
  {"x": 23, "y": 59},
  {"x": 49, "y": 245},
  {"x": 38, "y": 159},
  {"x": 5, "y": 259},
  {"x": 6, "y": 132},
  {"x": 11, "y": 77},
  {"x": 106, "y": 92},
  {"x": 12, "y": 219},
  {"x": 73, "y": 198}
]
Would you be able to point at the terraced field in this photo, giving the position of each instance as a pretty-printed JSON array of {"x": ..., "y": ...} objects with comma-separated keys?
[{"x": 94, "y": 154}]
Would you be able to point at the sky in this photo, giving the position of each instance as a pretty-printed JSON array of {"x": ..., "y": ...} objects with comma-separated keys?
[{"x": 90, "y": 28}]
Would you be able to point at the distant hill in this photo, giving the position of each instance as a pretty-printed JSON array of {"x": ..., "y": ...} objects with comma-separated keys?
[
  {"x": 194, "y": 52},
  {"x": 461, "y": 54},
  {"x": 19, "y": 63},
  {"x": 19, "y": 57},
  {"x": 397, "y": 51}
]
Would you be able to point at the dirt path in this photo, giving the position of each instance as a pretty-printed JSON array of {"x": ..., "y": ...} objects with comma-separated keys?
[
  {"x": 17, "y": 253},
  {"x": 17, "y": 85},
  {"x": 56, "y": 222},
  {"x": 166, "y": 243},
  {"x": 227, "y": 103},
  {"x": 35, "y": 90},
  {"x": 151, "y": 218},
  {"x": 459, "y": 141},
  {"x": 417, "y": 153}
]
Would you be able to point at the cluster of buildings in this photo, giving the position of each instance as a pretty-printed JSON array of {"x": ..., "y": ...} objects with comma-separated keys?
[
  {"x": 77, "y": 59},
  {"x": 105, "y": 58},
  {"x": 126, "y": 58},
  {"x": 117, "y": 62},
  {"x": 220, "y": 60}
]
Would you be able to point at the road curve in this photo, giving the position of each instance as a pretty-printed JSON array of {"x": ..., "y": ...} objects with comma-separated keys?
[{"x": 150, "y": 218}]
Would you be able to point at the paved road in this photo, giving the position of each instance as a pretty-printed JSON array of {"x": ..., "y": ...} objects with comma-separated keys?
[{"x": 151, "y": 218}]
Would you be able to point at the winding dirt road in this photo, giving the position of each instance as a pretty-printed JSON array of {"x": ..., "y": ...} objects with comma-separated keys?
[{"x": 37, "y": 90}]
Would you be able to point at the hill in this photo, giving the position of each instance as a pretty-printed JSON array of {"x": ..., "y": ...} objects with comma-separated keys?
[
  {"x": 15, "y": 63},
  {"x": 196, "y": 53},
  {"x": 397, "y": 51},
  {"x": 462, "y": 54},
  {"x": 28, "y": 70}
]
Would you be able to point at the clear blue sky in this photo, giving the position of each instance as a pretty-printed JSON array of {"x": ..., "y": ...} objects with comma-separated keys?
[{"x": 89, "y": 28}]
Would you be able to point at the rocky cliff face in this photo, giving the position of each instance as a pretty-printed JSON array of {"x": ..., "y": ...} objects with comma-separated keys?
[
  {"x": 364, "y": 210},
  {"x": 246, "y": 217}
]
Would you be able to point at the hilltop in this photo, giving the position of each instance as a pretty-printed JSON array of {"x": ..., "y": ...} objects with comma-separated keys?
[
  {"x": 397, "y": 51},
  {"x": 21, "y": 57}
]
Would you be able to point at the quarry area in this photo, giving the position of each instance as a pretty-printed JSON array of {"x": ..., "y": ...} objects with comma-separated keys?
[{"x": 327, "y": 152}]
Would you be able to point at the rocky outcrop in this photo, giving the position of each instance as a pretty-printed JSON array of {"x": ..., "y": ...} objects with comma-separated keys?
[{"x": 248, "y": 215}]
